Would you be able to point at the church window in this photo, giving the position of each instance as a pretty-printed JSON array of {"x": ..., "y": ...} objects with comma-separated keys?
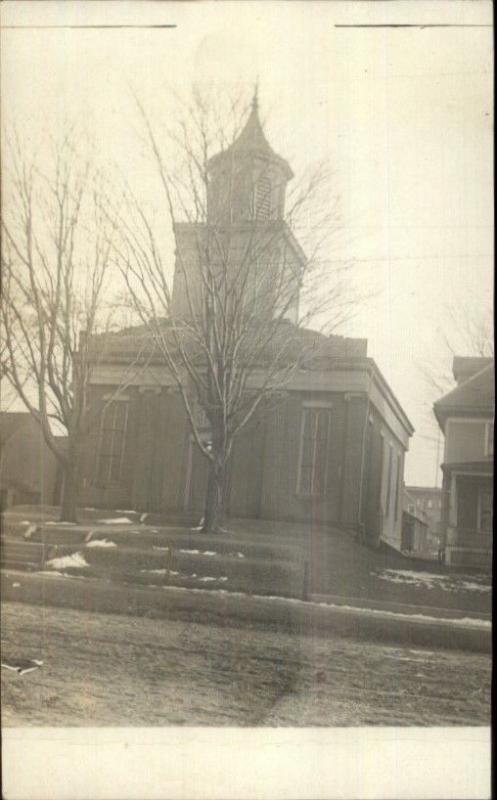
[
  {"x": 397, "y": 488},
  {"x": 262, "y": 198},
  {"x": 389, "y": 480},
  {"x": 111, "y": 445},
  {"x": 314, "y": 445}
]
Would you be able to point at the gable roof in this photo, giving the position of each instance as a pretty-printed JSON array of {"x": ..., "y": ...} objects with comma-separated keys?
[{"x": 476, "y": 395}]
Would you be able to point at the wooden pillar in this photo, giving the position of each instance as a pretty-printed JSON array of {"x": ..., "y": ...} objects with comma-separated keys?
[{"x": 453, "y": 502}]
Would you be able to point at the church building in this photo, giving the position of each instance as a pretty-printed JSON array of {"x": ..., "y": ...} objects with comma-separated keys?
[{"x": 328, "y": 449}]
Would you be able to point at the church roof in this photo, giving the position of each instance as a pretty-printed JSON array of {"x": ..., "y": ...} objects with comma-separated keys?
[
  {"x": 320, "y": 351},
  {"x": 252, "y": 141}
]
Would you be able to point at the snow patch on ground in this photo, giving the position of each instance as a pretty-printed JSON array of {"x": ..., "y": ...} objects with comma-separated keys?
[
  {"x": 199, "y": 552},
  {"x": 471, "y": 586},
  {"x": 116, "y": 521},
  {"x": 74, "y": 560},
  {"x": 51, "y": 573},
  {"x": 429, "y": 580},
  {"x": 459, "y": 622},
  {"x": 464, "y": 622},
  {"x": 101, "y": 543},
  {"x": 157, "y": 547},
  {"x": 54, "y": 522},
  {"x": 208, "y": 579},
  {"x": 163, "y": 571}
]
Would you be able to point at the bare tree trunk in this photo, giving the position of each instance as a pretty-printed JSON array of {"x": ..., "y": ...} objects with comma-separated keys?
[
  {"x": 68, "y": 510},
  {"x": 215, "y": 502}
]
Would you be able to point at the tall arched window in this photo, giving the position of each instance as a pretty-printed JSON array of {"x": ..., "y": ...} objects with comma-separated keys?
[
  {"x": 113, "y": 427},
  {"x": 314, "y": 446}
]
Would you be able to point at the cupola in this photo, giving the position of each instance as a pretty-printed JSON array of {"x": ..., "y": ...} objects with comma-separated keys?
[{"x": 247, "y": 181}]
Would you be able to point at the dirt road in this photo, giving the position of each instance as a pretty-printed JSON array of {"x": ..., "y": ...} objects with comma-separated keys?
[{"x": 117, "y": 670}]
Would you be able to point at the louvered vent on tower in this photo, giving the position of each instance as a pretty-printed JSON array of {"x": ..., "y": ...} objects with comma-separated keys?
[{"x": 263, "y": 198}]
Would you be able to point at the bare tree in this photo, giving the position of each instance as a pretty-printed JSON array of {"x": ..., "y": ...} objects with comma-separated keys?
[
  {"x": 56, "y": 246},
  {"x": 466, "y": 328},
  {"x": 232, "y": 329}
]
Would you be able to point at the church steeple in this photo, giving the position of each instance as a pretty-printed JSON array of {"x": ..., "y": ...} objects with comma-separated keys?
[
  {"x": 248, "y": 179},
  {"x": 255, "y": 99}
]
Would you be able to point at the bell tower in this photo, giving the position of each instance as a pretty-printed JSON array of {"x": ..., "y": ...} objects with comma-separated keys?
[
  {"x": 247, "y": 181},
  {"x": 244, "y": 226}
]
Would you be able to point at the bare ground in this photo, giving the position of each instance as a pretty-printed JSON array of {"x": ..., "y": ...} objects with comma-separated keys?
[{"x": 117, "y": 670}]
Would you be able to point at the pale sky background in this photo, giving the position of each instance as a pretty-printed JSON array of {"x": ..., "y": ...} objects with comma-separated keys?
[{"x": 403, "y": 115}]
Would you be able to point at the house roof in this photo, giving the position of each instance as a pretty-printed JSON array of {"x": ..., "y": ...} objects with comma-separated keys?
[
  {"x": 476, "y": 395},
  {"x": 464, "y": 367},
  {"x": 434, "y": 490},
  {"x": 485, "y": 467}
]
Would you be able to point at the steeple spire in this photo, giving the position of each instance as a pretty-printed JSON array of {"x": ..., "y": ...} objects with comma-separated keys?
[{"x": 255, "y": 99}]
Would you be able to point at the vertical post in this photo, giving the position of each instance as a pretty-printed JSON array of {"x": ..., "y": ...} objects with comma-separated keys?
[
  {"x": 453, "y": 502},
  {"x": 306, "y": 586}
]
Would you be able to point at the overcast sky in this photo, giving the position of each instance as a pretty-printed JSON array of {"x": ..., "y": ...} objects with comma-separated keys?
[{"x": 403, "y": 115}]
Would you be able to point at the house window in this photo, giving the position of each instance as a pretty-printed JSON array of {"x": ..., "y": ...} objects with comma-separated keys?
[
  {"x": 314, "y": 443},
  {"x": 485, "y": 502},
  {"x": 262, "y": 198},
  {"x": 489, "y": 439},
  {"x": 111, "y": 445}
]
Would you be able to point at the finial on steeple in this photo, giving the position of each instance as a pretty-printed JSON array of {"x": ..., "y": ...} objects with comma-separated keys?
[{"x": 255, "y": 99}]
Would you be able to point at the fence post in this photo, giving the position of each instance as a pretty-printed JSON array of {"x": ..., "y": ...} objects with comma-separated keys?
[{"x": 305, "y": 590}]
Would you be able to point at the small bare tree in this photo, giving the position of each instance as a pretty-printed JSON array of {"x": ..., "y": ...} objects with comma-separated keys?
[
  {"x": 466, "y": 328},
  {"x": 232, "y": 329},
  {"x": 56, "y": 246}
]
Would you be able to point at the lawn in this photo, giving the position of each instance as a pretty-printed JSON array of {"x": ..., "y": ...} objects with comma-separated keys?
[{"x": 252, "y": 556}]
